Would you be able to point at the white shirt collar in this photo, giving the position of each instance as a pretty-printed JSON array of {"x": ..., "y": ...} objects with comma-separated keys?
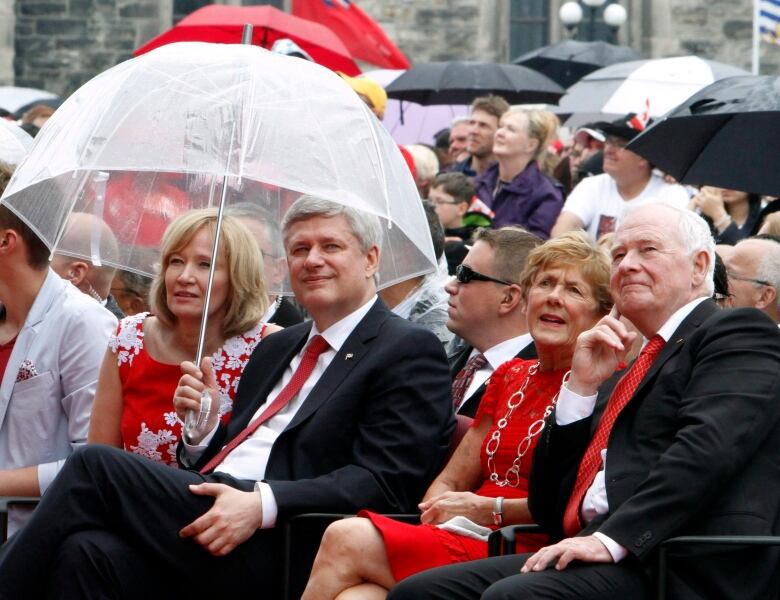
[
  {"x": 673, "y": 322},
  {"x": 506, "y": 350},
  {"x": 338, "y": 333}
]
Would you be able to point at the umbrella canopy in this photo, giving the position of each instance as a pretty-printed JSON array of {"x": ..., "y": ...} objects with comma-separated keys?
[
  {"x": 157, "y": 135},
  {"x": 224, "y": 24},
  {"x": 14, "y": 98},
  {"x": 721, "y": 136},
  {"x": 419, "y": 123},
  {"x": 570, "y": 60},
  {"x": 459, "y": 82},
  {"x": 15, "y": 142},
  {"x": 655, "y": 86}
]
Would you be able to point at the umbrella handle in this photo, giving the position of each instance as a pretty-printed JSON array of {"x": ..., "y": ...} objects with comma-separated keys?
[{"x": 197, "y": 422}]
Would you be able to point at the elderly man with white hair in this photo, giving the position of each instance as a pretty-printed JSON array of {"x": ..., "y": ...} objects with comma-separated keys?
[
  {"x": 753, "y": 268},
  {"x": 683, "y": 442}
]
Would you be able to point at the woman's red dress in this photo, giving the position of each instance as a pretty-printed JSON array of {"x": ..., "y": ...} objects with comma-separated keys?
[
  {"x": 149, "y": 425},
  {"x": 414, "y": 548}
]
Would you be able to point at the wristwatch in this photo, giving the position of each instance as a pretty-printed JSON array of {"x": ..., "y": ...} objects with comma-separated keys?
[{"x": 498, "y": 511}]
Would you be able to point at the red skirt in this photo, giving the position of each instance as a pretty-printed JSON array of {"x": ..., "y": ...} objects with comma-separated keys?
[{"x": 415, "y": 548}]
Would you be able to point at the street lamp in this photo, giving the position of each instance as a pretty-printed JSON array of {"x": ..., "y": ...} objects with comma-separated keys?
[
  {"x": 614, "y": 16},
  {"x": 570, "y": 15},
  {"x": 594, "y": 6}
]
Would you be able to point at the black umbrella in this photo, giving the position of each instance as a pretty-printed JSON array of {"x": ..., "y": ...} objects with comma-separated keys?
[
  {"x": 459, "y": 82},
  {"x": 570, "y": 60},
  {"x": 724, "y": 135}
]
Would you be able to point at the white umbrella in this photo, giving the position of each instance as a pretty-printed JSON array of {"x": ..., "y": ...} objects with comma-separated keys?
[
  {"x": 15, "y": 142},
  {"x": 13, "y": 98},
  {"x": 655, "y": 86},
  {"x": 158, "y": 134}
]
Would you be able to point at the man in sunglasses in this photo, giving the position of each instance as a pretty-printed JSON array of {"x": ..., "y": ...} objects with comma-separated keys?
[
  {"x": 486, "y": 311},
  {"x": 753, "y": 269}
]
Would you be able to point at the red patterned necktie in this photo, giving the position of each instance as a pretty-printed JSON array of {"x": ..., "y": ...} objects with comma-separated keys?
[
  {"x": 317, "y": 345},
  {"x": 464, "y": 378},
  {"x": 591, "y": 460}
]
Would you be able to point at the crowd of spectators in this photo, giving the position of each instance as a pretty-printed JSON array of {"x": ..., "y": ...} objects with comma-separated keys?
[{"x": 596, "y": 352}]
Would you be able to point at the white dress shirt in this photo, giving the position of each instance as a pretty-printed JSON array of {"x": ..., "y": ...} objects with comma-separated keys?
[
  {"x": 496, "y": 356},
  {"x": 250, "y": 458},
  {"x": 572, "y": 407}
]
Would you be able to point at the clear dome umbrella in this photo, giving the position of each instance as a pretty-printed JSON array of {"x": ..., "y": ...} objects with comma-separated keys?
[
  {"x": 15, "y": 142},
  {"x": 160, "y": 134}
]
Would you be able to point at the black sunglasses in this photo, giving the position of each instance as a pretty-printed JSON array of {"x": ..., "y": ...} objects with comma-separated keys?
[{"x": 465, "y": 274}]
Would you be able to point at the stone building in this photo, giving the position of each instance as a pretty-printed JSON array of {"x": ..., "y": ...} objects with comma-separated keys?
[{"x": 59, "y": 44}]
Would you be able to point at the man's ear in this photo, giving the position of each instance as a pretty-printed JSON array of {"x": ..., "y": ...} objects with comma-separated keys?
[
  {"x": 8, "y": 240},
  {"x": 372, "y": 260},
  {"x": 701, "y": 262},
  {"x": 77, "y": 272},
  {"x": 767, "y": 298},
  {"x": 512, "y": 300}
]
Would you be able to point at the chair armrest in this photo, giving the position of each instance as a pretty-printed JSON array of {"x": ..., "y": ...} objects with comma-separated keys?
[
  {"x": 9, "y": 501},
  {"x": 668, "y": 547},
  {"x": 502, "y": 541}
]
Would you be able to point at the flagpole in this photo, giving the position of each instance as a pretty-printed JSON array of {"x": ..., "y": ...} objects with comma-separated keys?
[{"x": 756, "y": 37}]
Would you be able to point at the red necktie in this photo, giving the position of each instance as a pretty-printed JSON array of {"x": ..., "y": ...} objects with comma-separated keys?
[
  {"x": 464, "y": 378},
  {"x": 317, "y": 345},
  {"x": 591, "y": 460}
]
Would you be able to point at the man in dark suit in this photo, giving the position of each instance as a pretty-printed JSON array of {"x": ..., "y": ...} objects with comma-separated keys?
[
  {"x": 488, "y": 315},
  {"x": 366, "y": 423},
  {"x": 686, "y": 441}
]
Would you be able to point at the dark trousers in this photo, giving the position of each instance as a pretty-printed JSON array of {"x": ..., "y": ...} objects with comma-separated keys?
[
  {"x": 108, "y": 527},
  {"x": 499, "y": 578}
]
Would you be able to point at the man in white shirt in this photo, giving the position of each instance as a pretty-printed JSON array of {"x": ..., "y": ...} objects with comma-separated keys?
[
  {"x": 488, "y": 315},
  {"x": 628, "y": 181},
  {"x": 683, "y": 442},
  {"x": 52, "y": 342},
  {"x": 364, "y": 423}
]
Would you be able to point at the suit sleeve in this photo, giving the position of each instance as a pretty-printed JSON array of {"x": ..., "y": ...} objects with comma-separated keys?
[
  {"x": 726, "y": 404},
  {"x": 398, "y": 444}
]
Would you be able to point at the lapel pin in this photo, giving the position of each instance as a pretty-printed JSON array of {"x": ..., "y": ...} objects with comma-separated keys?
[
  {"x": 680, "y": 341},
  {"x": 348, "y": 356}
]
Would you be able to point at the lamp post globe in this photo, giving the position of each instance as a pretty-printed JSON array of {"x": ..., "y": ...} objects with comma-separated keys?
[
  {"x": 570, "y": 15},
  {"x": 615, "y": 15}
]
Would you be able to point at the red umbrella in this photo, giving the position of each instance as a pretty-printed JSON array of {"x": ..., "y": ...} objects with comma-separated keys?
[{"x": 223, "y": 24}]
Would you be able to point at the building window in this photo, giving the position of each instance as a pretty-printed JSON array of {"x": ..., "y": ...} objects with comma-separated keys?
[{"x": 529, "y": 24}]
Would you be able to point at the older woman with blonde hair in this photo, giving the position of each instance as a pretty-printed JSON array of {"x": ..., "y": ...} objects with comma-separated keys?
[
  {"x": 565, "y": 286},
  {"x": 133, "y": 406},
  {"x": 515, "y": 188}
]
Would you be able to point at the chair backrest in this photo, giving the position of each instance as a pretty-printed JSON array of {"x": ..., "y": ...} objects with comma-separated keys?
[{"x": 461, "y": 427}]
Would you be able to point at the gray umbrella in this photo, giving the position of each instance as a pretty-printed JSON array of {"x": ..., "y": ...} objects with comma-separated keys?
[
  {"x": 459, "y": 82},
  {"x": 655, "y": 86},
  {"x": 725, "y": 136},
  {"x": 570, "y": 60}
]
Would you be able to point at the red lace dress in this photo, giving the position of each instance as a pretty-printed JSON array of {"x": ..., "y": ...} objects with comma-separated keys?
[
  {"x": 414, "y": 548},
  {"x": 149, "y": 425}
]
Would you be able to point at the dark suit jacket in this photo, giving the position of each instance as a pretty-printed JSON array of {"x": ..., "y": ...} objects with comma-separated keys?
[
  {"x": 286, "y": 315},
  {"x": 458, "y": 361},
  {"x": 374, "y": 429},
  {"x": 695, "y": 451}
]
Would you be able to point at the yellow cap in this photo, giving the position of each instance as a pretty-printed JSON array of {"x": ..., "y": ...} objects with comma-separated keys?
[{"x": 375, "y": 93}]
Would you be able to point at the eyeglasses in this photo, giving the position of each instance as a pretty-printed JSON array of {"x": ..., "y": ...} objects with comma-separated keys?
[
  {"x": 750, "y": 279},
  {"x": 465, "y": 274},
  {"x": 616, "y": 142},
  {"x": 439, "y": 202}
]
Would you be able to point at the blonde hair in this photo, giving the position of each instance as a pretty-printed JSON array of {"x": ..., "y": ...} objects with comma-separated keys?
[
  {"x": 247, "y": 299},
  {"x": 572, "y": 249},
  {"x": 542, "y": 126},
  {"x": 771, "y": 224}
]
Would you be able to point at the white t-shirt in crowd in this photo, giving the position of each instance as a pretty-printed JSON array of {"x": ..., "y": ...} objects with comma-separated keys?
[{"x": 598, "y": 204}]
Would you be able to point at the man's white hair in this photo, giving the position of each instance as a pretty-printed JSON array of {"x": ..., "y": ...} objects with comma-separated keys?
[{"x": 695, "y": 235}]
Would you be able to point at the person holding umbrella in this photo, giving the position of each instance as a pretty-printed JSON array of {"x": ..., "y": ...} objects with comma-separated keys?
[
  {"x": 515, "y": 188},
  {"x": 141, "y": 370},
  {"x": 350, "y": 410}
]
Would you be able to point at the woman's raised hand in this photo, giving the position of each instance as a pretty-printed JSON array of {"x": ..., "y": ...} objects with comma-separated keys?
[{"x": 191, "y": 386}]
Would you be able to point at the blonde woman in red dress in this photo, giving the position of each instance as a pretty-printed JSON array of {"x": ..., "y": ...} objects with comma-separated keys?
[
  {"x": 133, "y": 406},
  {"x": 566, "y": 289}
]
